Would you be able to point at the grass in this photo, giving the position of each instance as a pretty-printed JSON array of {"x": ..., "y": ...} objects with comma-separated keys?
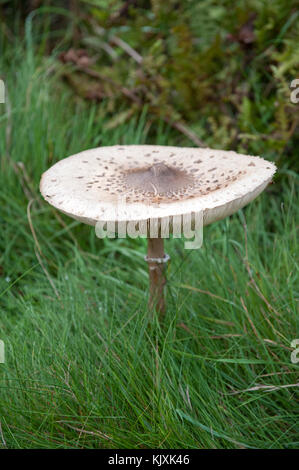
[{"x": 83, "y": 369}]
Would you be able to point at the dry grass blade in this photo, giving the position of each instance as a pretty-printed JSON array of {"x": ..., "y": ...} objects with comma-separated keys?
[
  {"x": 2, "y": 436},
  {"x": 83, "y": 431},
  {"x": 248, "y": 317},
  {"x": 185, "y": 286},
  {"x": 38, "y": 250},
  {"x": 266, "y": 388}
]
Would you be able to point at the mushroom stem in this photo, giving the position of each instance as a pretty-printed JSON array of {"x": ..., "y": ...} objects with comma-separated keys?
[{"x": 156, "y": 264}]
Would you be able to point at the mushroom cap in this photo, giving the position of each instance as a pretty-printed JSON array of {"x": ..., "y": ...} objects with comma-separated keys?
[{"x": 142, "y": 182}]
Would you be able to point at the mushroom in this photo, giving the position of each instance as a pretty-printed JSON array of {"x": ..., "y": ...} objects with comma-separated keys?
[{"x": 134, "y": 186}]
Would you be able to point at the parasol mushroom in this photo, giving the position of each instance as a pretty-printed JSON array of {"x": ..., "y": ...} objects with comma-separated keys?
[{"x": 135, "y": 185}]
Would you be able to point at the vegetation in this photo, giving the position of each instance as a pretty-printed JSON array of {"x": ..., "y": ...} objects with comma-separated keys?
[{"x": 82, "y": 369}]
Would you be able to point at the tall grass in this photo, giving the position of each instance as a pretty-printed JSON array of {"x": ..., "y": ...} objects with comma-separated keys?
[{"x": 83, "y": 369}]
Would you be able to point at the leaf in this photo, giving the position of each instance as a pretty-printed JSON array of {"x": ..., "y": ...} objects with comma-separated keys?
[
  {"x": 210, "y": 430},
  {"x": 222, "y": 359}
]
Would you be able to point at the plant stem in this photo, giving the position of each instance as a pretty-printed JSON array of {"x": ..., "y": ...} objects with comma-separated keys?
[{"x": 157, "y": 277}]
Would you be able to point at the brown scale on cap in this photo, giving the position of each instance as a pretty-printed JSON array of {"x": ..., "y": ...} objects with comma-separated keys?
[{"x": 158, "y": 180}]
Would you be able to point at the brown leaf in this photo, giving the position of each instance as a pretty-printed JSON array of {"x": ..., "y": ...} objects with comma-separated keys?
[
  {"x": 76, "y": 56},
  {"x": 246, "y": 34}
]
